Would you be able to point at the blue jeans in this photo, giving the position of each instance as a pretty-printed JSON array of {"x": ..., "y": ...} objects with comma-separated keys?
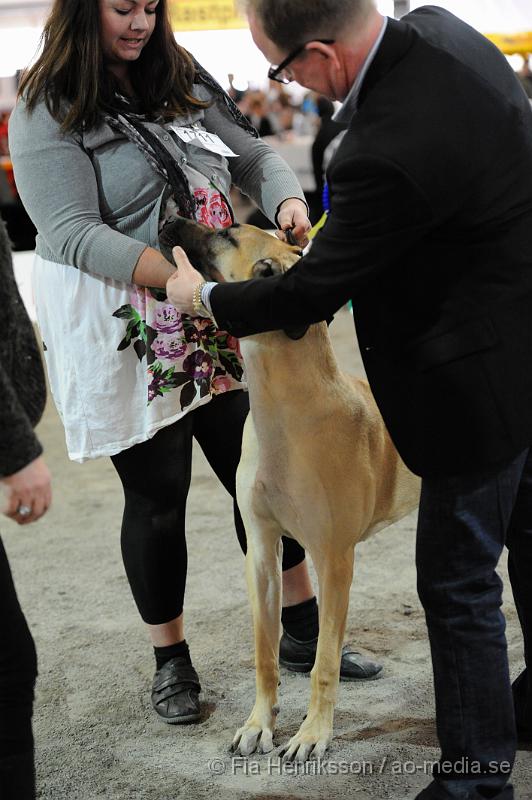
[{"x": 464, "y": 523}]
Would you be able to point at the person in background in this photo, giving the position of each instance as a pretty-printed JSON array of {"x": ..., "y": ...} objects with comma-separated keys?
[
  {"x": 25, "y": 495},
  {"x": 258, "y": 114},
  {"x": 20, "y": 228},
  {"x": 327, "y": 131},
  {"x": 430, "y": 234},
  {"x": 525, "y": 76},
  {"x": 282, "y": 110},
  {"x": 106, "y": 151},
  {"x": 4, "y": 120},
  {"x": 306, "y": 120},
  {"x": 237, "y": 95}
]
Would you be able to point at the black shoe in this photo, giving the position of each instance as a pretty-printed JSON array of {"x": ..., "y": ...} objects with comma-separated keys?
[
  {"x": 175, "y": 692},
  {"x": 299, "y": 657}
]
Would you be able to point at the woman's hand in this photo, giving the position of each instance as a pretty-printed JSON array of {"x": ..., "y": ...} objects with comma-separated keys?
[
  {"x": 28, "y": 492},
  {"x": 181, "y": 284},
  {"x": 292, "y": 215}
]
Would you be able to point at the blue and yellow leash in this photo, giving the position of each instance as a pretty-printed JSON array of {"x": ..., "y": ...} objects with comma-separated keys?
[{"x": 326, "y": 204}]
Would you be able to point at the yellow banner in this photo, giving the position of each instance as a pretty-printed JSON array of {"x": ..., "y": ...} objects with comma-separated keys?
[
  {"x": 205, "y": 15},
  {"x": 520, "y": 43}
]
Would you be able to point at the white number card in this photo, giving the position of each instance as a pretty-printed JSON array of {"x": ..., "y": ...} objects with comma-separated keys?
[{"x": 202, "y": 138}]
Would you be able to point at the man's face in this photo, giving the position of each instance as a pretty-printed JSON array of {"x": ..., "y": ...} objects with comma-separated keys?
[{"x": 312, "y": 69}]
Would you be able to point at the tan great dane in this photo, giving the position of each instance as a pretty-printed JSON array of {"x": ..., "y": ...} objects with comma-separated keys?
[{"x": 317, "y": 464}]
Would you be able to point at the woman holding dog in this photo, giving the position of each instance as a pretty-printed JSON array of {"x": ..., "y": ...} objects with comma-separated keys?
[{"x": 117, "y": 130}]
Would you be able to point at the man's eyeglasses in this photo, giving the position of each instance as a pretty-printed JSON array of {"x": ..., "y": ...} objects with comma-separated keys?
[{"x": 275, "y": 73}]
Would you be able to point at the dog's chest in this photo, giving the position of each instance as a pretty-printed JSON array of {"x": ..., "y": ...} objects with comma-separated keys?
[{"x": 291, "y": 491}]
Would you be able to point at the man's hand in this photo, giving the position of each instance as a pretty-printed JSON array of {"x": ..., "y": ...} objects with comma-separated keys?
[
  {"x": 29, "y": 488},
  {"x": 292, "y": 215},
  {"x": 180, "y": 286}
]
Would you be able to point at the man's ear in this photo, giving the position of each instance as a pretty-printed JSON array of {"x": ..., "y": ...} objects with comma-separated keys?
[{"x": 326, "y": 50}]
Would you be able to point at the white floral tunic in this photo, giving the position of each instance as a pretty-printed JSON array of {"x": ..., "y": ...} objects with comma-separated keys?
[{"x": 122, "y": 362}]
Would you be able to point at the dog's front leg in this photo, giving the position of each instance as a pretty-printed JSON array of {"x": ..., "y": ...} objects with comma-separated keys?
[
  {"x": 334, "y": 576},
  {"x": 263, "y": 572}
]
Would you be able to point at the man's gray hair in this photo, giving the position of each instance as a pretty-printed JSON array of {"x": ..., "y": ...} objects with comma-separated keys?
[{"x": 289, "y": 23}]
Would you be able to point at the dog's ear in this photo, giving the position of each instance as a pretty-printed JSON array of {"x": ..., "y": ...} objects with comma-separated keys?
[
  {"x": 169, "y": 237},
  {"x": 166, "y": 248},
  {"x": 265, "y": 268}
]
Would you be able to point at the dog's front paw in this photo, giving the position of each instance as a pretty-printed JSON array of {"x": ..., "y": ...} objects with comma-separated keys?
[
  {"x": 310, "y": 742},
  {"x": 256, "y": 736}
]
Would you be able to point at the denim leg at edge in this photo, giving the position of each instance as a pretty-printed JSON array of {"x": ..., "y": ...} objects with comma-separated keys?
[
  {"x": 462, "y": 528},
  {"x": 519, "y": 542}
]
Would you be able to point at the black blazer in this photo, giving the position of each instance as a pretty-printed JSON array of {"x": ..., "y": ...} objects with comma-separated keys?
[{"x": 430, "y": 234}]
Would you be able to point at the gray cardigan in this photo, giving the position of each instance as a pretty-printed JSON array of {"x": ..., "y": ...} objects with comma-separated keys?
[{"x": 95, "y": 200}]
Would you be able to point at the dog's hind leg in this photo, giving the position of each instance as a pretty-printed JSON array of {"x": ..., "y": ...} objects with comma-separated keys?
[
  {"x": 263, "y": 572},
  {"x": 335, "y": 572}
]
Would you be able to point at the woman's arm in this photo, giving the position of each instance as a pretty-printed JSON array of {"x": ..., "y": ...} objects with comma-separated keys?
[
  {"x": 57, "y": 184},
  {"x": 18, "y": 443},
  {"x": 152, "y": 269}
]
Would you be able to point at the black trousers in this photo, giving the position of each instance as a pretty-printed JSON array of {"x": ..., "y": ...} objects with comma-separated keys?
[
  {"x": 18, "y": 671},
  {"x": 156, "y": 478}
]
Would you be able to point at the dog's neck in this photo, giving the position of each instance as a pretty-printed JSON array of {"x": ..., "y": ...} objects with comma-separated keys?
[{"x": 277, "y": 367}]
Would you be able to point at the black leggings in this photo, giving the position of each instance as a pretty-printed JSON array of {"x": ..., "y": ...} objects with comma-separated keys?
[
  {"x": 156, "y": 478},
  {"x": 18, "y": 670}
]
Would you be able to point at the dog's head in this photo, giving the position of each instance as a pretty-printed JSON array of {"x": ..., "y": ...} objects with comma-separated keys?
[{"x": 231, "y": 254}]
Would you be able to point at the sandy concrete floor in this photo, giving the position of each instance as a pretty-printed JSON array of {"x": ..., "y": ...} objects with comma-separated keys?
[{"x": 96, "y": 734}]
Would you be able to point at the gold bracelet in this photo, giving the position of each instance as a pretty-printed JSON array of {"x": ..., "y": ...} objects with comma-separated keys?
[{"x": 197, "y": 304}]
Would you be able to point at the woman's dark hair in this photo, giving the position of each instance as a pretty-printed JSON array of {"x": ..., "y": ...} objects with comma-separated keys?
[{"x": 70, "y": 73}]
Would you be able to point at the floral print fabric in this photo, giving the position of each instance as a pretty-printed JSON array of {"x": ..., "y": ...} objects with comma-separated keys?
[{"x": 187, "y": 357}]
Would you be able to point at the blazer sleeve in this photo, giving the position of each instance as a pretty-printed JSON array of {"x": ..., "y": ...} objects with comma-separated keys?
[
  {"x": 19, "y": 445},
  {"x": 377, "y": 213},
  {"x": 22, "y": 382}
]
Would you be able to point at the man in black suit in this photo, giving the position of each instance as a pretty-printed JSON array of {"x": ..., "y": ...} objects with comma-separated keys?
[{"x": 430, "y": 235}]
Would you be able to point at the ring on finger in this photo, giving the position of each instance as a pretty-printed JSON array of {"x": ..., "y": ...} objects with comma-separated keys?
[{"x": 23, "y": 511}]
